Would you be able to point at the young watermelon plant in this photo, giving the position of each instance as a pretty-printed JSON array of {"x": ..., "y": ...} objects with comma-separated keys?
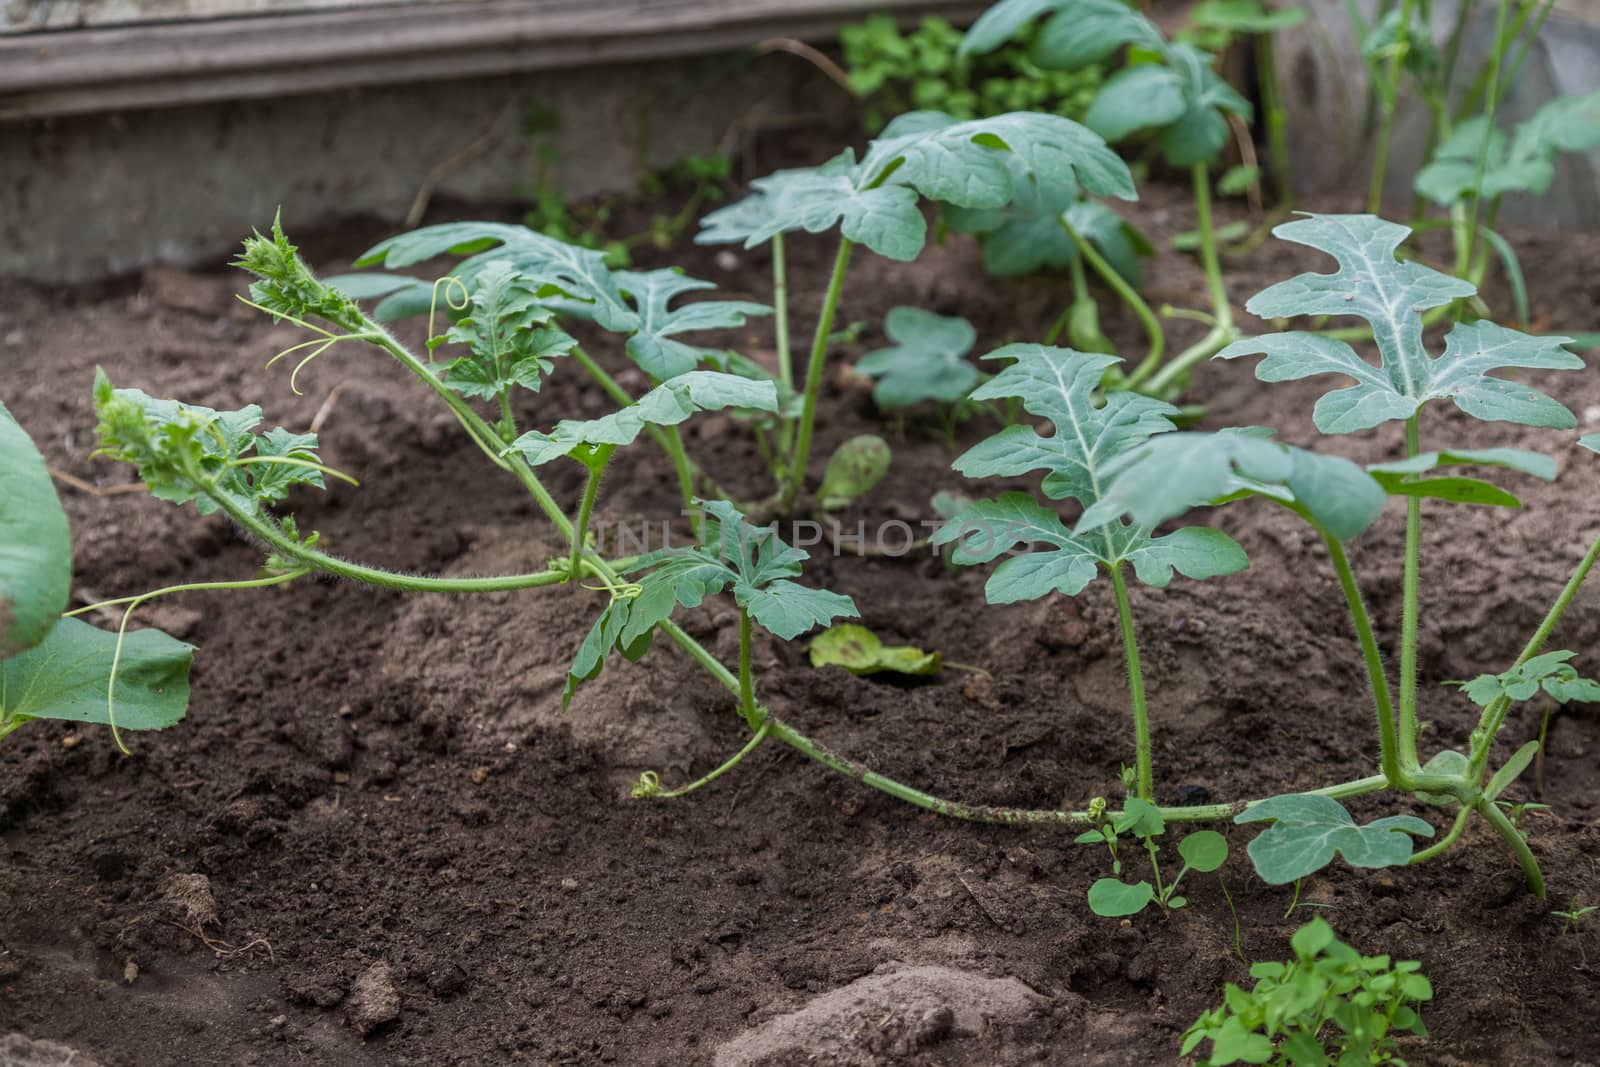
[{"x": 1167, "y": 89}]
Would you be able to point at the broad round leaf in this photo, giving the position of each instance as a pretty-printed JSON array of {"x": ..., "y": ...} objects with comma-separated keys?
[
  {"x": 1204, "y": 850},
  {"x": 1114, "y": 899},
  {"x": 35, "y": 545},
  {"x": 67, "y": 675}
]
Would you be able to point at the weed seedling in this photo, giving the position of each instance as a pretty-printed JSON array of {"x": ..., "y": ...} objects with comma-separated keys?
[
  {"x": 1329, "y": 1005},
  {"x": 1202, "y": 851}
]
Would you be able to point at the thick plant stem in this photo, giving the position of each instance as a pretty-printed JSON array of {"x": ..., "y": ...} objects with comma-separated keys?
[
  {"x": 1409, "y": 615},
  {"x": 1130, "y": 296},
  {"x": 591, "y": 489},
  {"x": 1275, "y": 117},
  {"x": 780, "y": 333},
  {"x": 747, "y": 688},
  {"x": 1169, "y": 377},
  {"x": 1475, "y": 195},
  {"x": 1516, "y": 843},
  {"x": 796, "y": 474},
  {"x": 1388, "y": 98},
  {"x": 1141, "y": 715},
  {"x": 1382, "y": 702}
]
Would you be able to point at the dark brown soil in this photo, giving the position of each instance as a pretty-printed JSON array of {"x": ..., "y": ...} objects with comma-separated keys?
[{"x": 375, "y": 839}]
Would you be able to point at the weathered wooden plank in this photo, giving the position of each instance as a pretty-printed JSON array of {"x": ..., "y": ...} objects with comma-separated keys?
[{"x": 195, "y": 61}]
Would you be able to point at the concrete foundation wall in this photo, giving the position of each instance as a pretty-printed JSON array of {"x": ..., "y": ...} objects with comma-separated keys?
[{"x": 85, "y": 196}]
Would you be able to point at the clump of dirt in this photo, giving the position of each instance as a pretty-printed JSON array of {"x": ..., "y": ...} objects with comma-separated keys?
[{"x": 377, "y": 839}]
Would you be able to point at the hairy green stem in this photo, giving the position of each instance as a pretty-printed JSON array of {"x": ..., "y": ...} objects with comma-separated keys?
[
  {"x": 1170, "y": 377},
  {"x": 1439, "y": 847},
  {"x": 1130, "y": 296},
  {"x": 780, "y": 330},
  {"x": 1475, "y": 193},
  {"x": 591, "y": 489},
  {"x": 1516, "y": 843},
  {"x": 1388, "y": 98},
  {"x": 796, "y": 474},
  {"x": 1376, "y": 678},
  {"x": 1274, "y": 116},
  {"x": 1407, "y": 738},
  {"x": 1141, "y": 714},
  {"x": 747, "y": 688}
]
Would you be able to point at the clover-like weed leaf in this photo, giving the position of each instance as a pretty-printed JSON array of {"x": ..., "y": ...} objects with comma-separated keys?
[
  {"x": 35, "y": 543},
  {"x": 66, "y": 676},
  {"x": 1548, "y": 671},
  {"x": 751, "y": 562},
  {"x": 187, "y": 452},
  {"x": 1075, "y": 34},
  {"x": 666, "y": 405},
  {"x": 1059, "y": 385},
  {"x": 1171, "y": 473},
  {"x": 1308, "y": 830},
  {"x": 1204, "y": 850},
  {"x": 975, "y": 164},
  {"x": 1372, "y": 284},
  {"x": 1114, "y": 899},
  {"x": 507, "y": 334},
  {"x": 926, "y": 361}
]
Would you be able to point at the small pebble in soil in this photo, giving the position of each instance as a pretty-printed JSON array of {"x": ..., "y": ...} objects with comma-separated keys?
[{"x": 374, "y": 1000}]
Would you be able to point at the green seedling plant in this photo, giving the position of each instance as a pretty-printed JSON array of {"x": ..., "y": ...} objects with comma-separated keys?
[
  {"x": 920, "y": 156},
  {"x": 1476, "y": 166},
  {"x": 926, "y": 365},
  {"x": 1202, "y": 851},
  {"x": 1168, "y": 89},
  {"x": 1329, "y": 1005},
  {"x": 54, "y": 666},
  {"x": 1575, "y": 917}
]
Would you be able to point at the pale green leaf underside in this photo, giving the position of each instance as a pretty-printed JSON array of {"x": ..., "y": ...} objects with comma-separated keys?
[
  {"x": 666, "y": 405},
  {"x": 1390, "y": 295},
  {"x": 1172, "y": 473},
  {"x": 67, "y": 675},
  {"x": 35, "y": 544},
  {"x": 1309, "y": 830}
]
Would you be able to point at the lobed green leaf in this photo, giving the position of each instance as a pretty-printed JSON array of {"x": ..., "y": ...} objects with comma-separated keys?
[
  {"x": 1308, "y": 830},
  {"x": 926, "y": 361},
  {"x": 1390, "y": 294}
]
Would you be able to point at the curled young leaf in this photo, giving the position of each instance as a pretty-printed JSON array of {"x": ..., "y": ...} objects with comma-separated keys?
[{"x": 1171, "y": 473}]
